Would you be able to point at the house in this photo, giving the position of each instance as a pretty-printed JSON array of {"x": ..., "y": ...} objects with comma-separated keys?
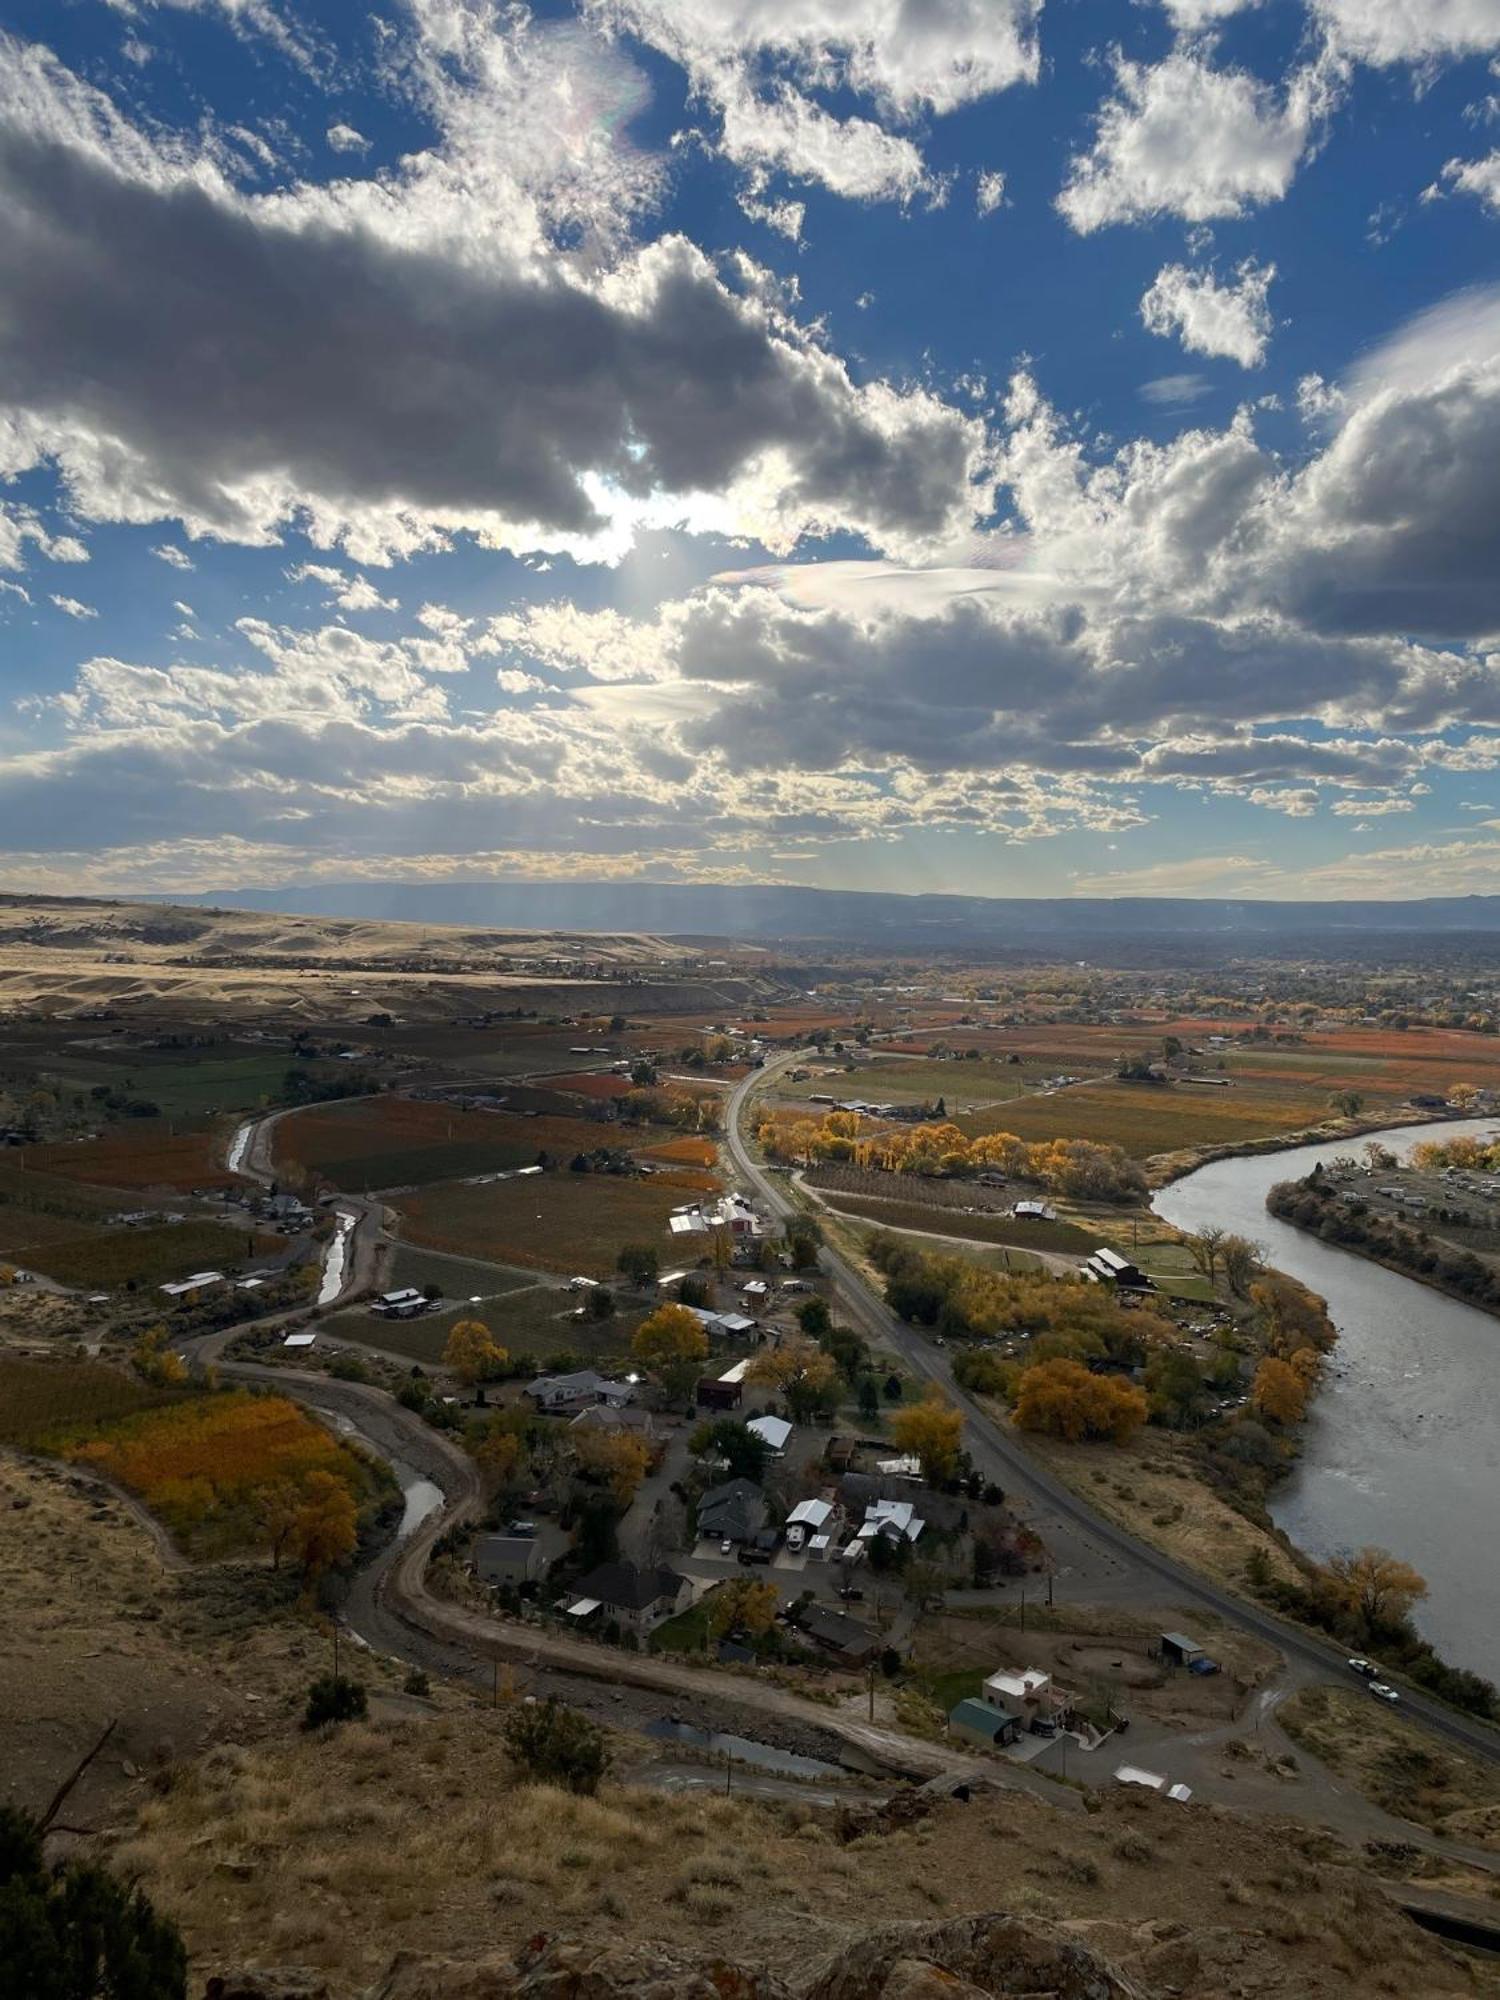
[
  {"x": 897, "y": 1520},
  {"x": 1029, "y": 1694},
  {"x": 556, "y": 1395},
  {"x": 984, "y": 1722},
  {"x": 852, "y": 1644},
  {"x": 635, "y": 1598},
  {"x": 610, "y": 1417},
  {"x": 1034, "y": 1211},
  {"x": 772, "y": 1432},
  {"x": 507, "y": 1558},
  {"x": 756, "y": 1292},
  {"x": 733, "y": 1512}
]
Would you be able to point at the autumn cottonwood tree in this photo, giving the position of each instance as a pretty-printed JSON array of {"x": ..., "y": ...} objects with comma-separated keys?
[
  {"x": 616, "y": 1460},
  {"x": 1378, "y": 1587},
  {"x": 742, "y": 1605},
  {"x": 932, "y": 1431},
  {"x": 672, "y": 1345},
  {"x": 473, "y": 1353},
  {"x": 799, "y": 1368},
  {"x": 326, "y": 1526},
  {"x": 1279, "y": 1391},
  {"x": 1064, "y": 1399}
]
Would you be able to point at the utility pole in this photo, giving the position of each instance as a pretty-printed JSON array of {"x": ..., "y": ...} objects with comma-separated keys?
[
  {"x": 1023, "y": 1610},
  {"x": 335, "y": 1649},
  {"x": 728, "y": 1772}
]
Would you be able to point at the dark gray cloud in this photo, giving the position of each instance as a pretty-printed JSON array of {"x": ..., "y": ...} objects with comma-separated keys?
[{"x": 224, "y": 361}]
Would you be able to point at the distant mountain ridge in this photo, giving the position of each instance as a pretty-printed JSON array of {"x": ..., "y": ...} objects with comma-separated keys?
[{"x": 859, "y": 917}]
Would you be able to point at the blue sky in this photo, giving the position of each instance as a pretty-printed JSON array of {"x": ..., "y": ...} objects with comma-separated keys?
[{"x": 973, "y": 445}]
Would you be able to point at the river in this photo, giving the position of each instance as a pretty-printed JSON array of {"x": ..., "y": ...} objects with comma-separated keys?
[{"x": 1403, "y": 1446}]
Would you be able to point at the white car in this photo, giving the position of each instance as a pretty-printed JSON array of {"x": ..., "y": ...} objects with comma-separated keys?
[
  {"x": 1366, "y": 1668},
  {"x": 1383, "y": 1691},
  {"x": 726, "y": 1547}
]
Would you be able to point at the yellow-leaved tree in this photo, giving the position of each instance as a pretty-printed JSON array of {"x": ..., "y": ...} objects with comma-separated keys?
[
  {"x": 616, "y": 1459},
  {"x": 1377, "y": 1586},
  {"x": 326, "y": 1526},
  {"x": 672, "y": 1345},
  {"x": 1279, "y": 1392},
  {"x": 473, "y": 1353},
  {"x": 932, "y": 1431},
  {"x": 155, "y": 1361},
  {"x": 745, "y": 1605},
  {"x": 1064, "y": 1399},
  {"x": 799, "y": 1368}
]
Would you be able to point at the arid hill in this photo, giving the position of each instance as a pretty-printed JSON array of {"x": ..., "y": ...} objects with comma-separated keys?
[{"x": 72, "y": 956}]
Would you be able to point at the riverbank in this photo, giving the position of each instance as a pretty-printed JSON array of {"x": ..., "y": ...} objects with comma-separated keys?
[
  {"x": 1314, "y": 1209},
  {"x": 1404, "y": 1438},
  {"x": 1162, "y": 1169}
]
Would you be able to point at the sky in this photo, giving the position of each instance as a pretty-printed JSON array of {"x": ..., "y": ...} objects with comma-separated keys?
[{"x": 1014, "y": 447}]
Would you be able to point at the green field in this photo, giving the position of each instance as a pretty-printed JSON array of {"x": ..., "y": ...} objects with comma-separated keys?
[
  {"x": 944, "y": 1221},
  {"x": 186, "y": 1086},
  {"x": 538, "y": 1322},
  {"x": 456, "y": 1277},
  {"x": 560, "y": 1222},
  {"x": 153, "y": 1256},
  {"x": 957, "y": 1083}
]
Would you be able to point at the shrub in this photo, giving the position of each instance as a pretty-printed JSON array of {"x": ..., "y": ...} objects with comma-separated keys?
[
  {"x": 553, "y": 1745},
  {"x": 76, "y": 1933},
  {"x": 335, "y": 1698}
]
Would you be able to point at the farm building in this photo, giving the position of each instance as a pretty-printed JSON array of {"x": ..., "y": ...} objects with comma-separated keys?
[
  {"x": 773, "y": 1432},
  {"x": 984, "y": 1722},
  {"x": 1178, "y": 1650},
  {"x": 1108, "y": 1267},
  {"x": 507, "y": 1558},
  {"x": 185, "y": 1288},
  {"x": 722, "y": 1394},
  {"x": 405, "y": 1304}
]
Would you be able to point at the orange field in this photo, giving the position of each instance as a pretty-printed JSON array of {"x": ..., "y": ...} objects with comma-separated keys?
[
  {"x": 596, "y": 1083},
  {"x": 688, "y": 1152},
  {"x": 137, "y": 1156},
  {"x": 204, "y": 1465}
]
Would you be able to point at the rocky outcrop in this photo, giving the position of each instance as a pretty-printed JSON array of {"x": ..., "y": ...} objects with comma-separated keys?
[{"x": 970, "y": 1958}]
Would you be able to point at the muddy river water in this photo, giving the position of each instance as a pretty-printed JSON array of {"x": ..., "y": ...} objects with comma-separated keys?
[{"x": 1403, "y": 1447}]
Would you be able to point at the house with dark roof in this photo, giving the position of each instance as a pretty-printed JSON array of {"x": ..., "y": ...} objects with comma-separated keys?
[
  {"x": 733, "y": 1512},
  {"x": 633, "y": 1596},
  {"x": 852, "y": 1644}
]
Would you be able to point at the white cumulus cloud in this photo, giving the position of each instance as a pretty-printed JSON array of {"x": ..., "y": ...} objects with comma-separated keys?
[{"x": 1231, "y": 320}]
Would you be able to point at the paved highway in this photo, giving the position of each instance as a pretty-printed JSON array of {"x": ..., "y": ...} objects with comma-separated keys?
[{"x": 1095, "y": 1559}]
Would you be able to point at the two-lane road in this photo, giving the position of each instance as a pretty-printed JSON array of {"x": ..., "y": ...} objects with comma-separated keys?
[{"x": 1095, "y": 1559}]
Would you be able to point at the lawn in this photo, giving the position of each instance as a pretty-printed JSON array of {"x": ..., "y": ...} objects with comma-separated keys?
[
  {"x": 386, "y": 1142},
  {"x": 183, "y": 1084},
  {"x": 148, "y": 1256},
  {"x": 538, "y": 1322},
  {"x": 946, "y": 1221},
  {"x": 41, "y": 1398},
  {"x": 555, "y": 1222},
  {"x": 205, "y": 1465},
  {"x": 455, "y": 1277},
  {"x": 142, "y": 1153},
  {"x": 957, "y": 1083}
]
